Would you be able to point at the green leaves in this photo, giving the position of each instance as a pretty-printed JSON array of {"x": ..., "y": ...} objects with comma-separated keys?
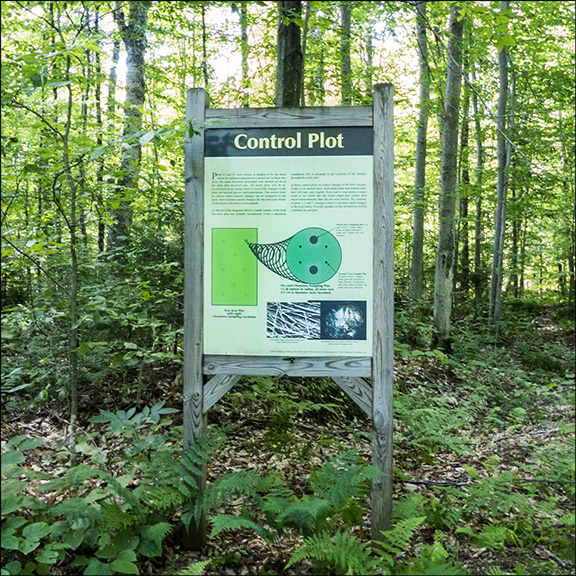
[{"x": 122, "y": 419}]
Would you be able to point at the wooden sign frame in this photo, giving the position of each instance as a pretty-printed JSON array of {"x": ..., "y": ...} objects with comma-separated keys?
[{"x": 348, "y": 372}]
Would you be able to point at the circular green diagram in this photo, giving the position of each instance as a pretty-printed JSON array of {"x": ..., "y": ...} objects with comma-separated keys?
[{"x": 313, "y": 255}]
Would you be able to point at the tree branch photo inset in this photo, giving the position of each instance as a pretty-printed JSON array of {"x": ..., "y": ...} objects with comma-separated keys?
[
  {"x": 311, "y": 256},
  {"x": 293, "y": 320}
]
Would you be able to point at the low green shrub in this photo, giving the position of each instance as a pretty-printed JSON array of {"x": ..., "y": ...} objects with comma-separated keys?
[{"x": 94, "y": 516}]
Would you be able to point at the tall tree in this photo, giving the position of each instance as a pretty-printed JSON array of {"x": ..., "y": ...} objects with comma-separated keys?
[
  {"x": 417, "y": 267},
  {"x": 443, "y": 284},
  {"x": 479, "y": 275},
  {"x": 290, "y": 60},
  {"x": 133, "y": 33},
  {"x": 503, "y": 154}
]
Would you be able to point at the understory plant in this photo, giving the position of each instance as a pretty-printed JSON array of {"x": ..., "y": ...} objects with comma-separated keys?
[{"x": 104, "y": 514}]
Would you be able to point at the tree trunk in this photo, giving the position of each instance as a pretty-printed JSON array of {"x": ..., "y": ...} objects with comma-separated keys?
[
  {"x": 463, "y": 261},
  {"x": 245, "y": 98},
  {"x": 369, "y": 69},
  {"x": 304, "y": 46},
  {"x": 478, "y": 215},
  {"x": 345, "y": 63},
  {"x": 417, "y": 266},
  {"x": 134, "y": 38},
  {"x": 317, "y": 93},
  {"x": 204, "y": 49},
  {"x": 502, "y": 190},
  {"x": 443, "y": 282},
  {"x": 290, "y": 60}
]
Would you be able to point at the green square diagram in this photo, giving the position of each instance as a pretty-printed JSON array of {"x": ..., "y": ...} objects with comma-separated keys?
[{"x": 234, "y": 267}]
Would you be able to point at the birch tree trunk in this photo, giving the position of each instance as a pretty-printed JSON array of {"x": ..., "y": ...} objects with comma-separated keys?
[
  {"x": 289, "y": 68},
  {"x": 443, "y": 283},
  {"x": 500, "y": 217},
  {"x": 417, "y": 266},
  {"x": 134, "y": 38}
]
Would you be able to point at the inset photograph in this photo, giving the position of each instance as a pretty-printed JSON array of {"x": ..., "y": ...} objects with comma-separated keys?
[
  {"x": 343, "y": 320},
  {"x": 293, "y": 320}
]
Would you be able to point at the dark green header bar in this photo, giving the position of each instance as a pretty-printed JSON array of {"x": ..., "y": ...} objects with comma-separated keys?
[{"x": 328, "y": 141}]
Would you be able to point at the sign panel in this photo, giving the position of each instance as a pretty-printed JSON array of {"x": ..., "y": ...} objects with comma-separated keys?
[{"x": 288, "y": 241}]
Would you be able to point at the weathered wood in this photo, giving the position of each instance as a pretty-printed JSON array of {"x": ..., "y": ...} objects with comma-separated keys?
[
  {"x": 289, "y": 117},
  {"x": 216, "y": 387},
  {"x": 196, "y": 102},
  {"x": 383, "y": 334},
  {"x": 358, "y": 389},
  {"x": 276, "y": 365}
]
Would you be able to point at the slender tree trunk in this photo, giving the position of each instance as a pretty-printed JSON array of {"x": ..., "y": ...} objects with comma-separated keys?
[
  {"x": 463, "y": 260},
  {"x": 304, "y": 47},
  {"x": 112, "y": 80},
  {"x": 478, "y": 277},
  {"x": 73, "y": 340},
  {"x": 134, "y": 38},
  {"x": 443, "y": 282},
  {"x": 204, "y": 49},
  {"x": 289, "y": 69},
  {"x": 500, "y": 217},
  {"x": 571, "y": 274},
  {"x": 316, "y": 97},
  {"x": 513, "y": 281},
  {"x": 417, "y": 265},
  {"x": 345, "y": 62},
  {"x": 369, "y": 68},
  {"x": 245, "y": 98},
  {"x": 99, "y": 141}
]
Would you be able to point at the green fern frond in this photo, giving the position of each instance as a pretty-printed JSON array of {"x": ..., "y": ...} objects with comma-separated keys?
[
  {"x": 342, "y": 478},
  {"x": 159, "y": 498},
  {"x": 433, "y": 561},
  {"x": 151, "y": 539},
  {"x": 433, "y": 569},
  {"x": 396, "y": 540},
  {"x": 195, "y": 569},
  {"x": 232, "y": 485},
  {"x": 114, "y": 516},
  {"x": 492, "y": 537},
  {"x": 411, "y": 506},
  {"x": 344, "y": 553},
  {"x": 272, "y": 498},
  {"x": 225, "y": 522},
  {"x": 300, "y": 515}
]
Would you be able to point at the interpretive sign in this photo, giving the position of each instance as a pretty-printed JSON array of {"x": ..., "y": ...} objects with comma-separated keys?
[
  {"x": 289, "y": 260},
  {"x": 288, "y": 241}
]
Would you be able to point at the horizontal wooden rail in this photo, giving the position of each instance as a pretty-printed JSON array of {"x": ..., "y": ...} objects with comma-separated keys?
[{"x": 278, "y": 365}]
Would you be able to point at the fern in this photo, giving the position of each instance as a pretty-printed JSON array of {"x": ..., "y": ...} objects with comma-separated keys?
[
  {"x": 234, "y": 484},
  {"x": 300, "y": 515},
  {"x": 344, "y": 553},
  {"x": 433, "y": 561},
  {"x": 224, "y": 522},
  {"x": 115, "y": 517},
  {"x": 409, "y": 507},
  {"x": 341, "y": 478},
  {"x": 396, "y": 541},
  {"x": 492, "y": 537},
  {"x": 151, "y": 539},
  {"x": 195, "y": 569}
]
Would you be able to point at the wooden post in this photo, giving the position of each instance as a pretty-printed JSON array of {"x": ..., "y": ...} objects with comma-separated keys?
[
  {"x": 383, "y": 320},
  {"x": 196, "y": 104}
]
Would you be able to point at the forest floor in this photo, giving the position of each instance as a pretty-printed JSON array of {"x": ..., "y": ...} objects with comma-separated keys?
[{"x": 309, "y": 440}]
